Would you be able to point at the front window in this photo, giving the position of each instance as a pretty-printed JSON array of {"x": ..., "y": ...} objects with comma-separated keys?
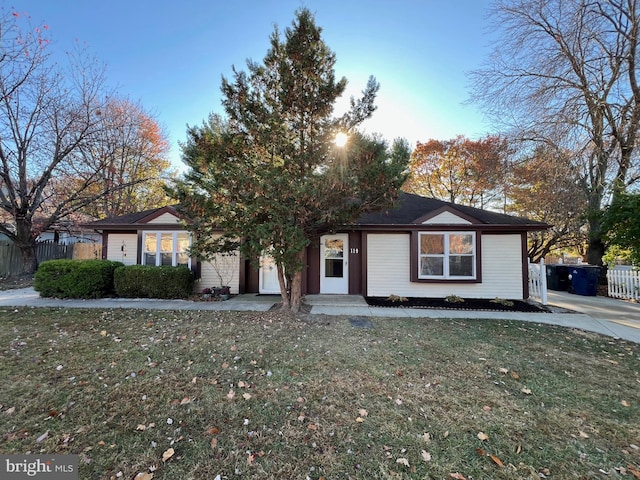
[
  {"x": 445, "y": 255},
  {"x": 166, "y": 248}
]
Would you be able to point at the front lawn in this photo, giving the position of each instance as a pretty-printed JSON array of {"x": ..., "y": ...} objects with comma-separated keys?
[{"x": 224, "y": 395}]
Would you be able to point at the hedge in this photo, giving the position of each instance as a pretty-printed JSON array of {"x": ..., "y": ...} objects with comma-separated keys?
[
  {"x": 144, "y": 281},
  {"x": 75, "y": 278}
]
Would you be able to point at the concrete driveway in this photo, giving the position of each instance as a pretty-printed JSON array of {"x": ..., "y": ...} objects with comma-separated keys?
[{"x": 602, "y": 308}]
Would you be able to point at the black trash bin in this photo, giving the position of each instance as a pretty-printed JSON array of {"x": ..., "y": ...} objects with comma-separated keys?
[
  {"x": 558, "y": 277},
  {"x": 584, "y": 280}
]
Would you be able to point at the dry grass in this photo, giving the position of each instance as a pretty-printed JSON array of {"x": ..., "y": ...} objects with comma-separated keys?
[{"x": 265, "y": 396}]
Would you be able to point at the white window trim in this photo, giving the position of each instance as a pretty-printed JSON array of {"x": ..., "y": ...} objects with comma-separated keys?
[
  {"x": 445, "y": 256},
  {"x": 174, "y": 253}
]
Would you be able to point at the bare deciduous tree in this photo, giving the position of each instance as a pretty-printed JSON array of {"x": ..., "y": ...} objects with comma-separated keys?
[
  {"x": 565, "y": 73},
  {"x": 50, "y": 117}
]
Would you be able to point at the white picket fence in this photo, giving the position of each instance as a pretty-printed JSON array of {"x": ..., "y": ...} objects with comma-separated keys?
[
  {"x": 624, "y": 283},
  {"x": 538, "y": 282}
]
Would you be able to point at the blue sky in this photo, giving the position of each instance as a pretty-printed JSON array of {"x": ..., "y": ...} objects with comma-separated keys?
[{"x": 171, "y": 55}]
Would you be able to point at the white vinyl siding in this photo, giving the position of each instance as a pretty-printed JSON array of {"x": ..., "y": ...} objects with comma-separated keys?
[
  {"x": 229, "y": 265},
  {"x": 165, "y": 218},
  {"x": 447, "y": 218},
  {"x": 389, "y": 262},
  {"x": 122, "y": 247}
]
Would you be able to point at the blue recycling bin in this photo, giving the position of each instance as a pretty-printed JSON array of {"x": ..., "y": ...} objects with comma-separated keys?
[{"x": 584, "y": 280}]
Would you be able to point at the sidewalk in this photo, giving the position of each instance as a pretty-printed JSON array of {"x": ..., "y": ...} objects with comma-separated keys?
[{"x": 599, "y": 317}]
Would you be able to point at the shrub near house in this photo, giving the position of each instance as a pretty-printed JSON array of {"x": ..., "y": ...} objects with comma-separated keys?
[
  {"x": 75, "y": 278},
  {"x": 144, "y": 281}
]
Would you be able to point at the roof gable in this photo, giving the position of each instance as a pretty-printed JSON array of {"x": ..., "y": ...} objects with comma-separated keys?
[
  {"x": 446, "y": 216},
  {"x": 159, "y": 216},
  {"x": 413, "y": 209}
]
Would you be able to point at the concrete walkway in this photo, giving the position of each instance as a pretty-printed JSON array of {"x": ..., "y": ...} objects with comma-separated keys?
[{"x": 614, "y": 318}]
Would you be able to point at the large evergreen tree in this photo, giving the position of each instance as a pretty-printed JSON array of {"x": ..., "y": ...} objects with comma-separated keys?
[{"x": 269, "y": 174}]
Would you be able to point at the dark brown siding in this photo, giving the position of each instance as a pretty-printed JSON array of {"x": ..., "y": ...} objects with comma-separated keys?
[
  {"x": 355, "y": 263},
  {"x": 312, "y": 276},
  {"x": 251, "y": 278}
]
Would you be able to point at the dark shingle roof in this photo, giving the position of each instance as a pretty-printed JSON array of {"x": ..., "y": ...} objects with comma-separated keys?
[
  {"x": 130, "y": 218},
  {"x": 410, "y": 208}
]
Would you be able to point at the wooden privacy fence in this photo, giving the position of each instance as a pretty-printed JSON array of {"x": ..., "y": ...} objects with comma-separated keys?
[
  {"x": 11, "y": 258},
  {"x": 624, "y": 283},
  {"x": 538, "y": 282}
]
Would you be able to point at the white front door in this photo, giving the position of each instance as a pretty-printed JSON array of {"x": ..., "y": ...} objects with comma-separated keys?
[
  {"x": 334, "y": 271},
  {"x": 268, "y": 282}
]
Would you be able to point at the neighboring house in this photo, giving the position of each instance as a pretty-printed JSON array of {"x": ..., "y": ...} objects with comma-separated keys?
[{"x": 421, "y": 248}]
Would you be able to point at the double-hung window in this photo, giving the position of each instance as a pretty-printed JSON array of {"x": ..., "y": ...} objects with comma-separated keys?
[
  {"x": 447, "y": 255},
  {"x": 166, "y": 248}
]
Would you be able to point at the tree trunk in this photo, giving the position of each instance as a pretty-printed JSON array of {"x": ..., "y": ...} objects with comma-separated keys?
[
  {"x": 595, "y": 251},
  {"x": 283, "y": 288},
  {"x": 26, "y": 242},
  {"x": 296, "y": 292}
]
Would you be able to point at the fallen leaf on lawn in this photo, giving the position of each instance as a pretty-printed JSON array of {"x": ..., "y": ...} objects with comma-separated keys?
[
  {"x": 103, "y": 333},
  {"x": 362, "y": 412},
  {"x": 515, "y": 375},
  {"x": 496, "y": 460},
  {"x": 398, "y": 401},
  {"x": 213, "y": 431},
  {"x": 141, "y": 427},
  {"x": 312, "y": 426},
  {"x": 486, "y": 408},
  {"x": 518, "y": 449},
  {"x": 233, "y": 348},
  {"x": 583, "y": 434},
  {"x": 403, "y": 461},
  {"x": 231, "y": 394},
  {"x": 10, "y": 410},
  {"x": 483, "y": 436},
  {"x": 214, "y": 443},
  {"x": 194, "y": 379},
  {"x": 457, "y": 476},
  {"x": 526, "y": 391},
  {"x": 241, "y": 384},
  {"x": 426, "y": 437},
  {"x": 185, "y": 400},
  {"x": 503, "y": 370},
  {"x": 168, "y": 454},
  {"x": 624, "y": 403},
  {"x": 445, "y": 434},
  {"x": 426, "y": 456},
  {"x": 42, "y": 437},
  {"x": 634, "y": 472},
  {"x": 481, "y": 452},
  {"x": 143, "y": 476},
  {"x": 246, "y": 396}
]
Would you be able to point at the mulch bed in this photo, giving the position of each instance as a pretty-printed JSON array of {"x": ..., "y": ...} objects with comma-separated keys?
[{"x": 468, "y": 304}]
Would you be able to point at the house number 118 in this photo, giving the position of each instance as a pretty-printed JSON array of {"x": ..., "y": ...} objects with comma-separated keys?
[{"x": 353, "y": 250}]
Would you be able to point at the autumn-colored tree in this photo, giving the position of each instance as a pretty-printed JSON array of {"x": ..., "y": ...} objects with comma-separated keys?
[
  {"x": 543, "y": 187},
  {"x": 270, "y": 174},
  {"x": 132, "y": 152},
  {"x": 565, "y": 73},
  {"x": 459, "y": 170},
  {"x": 50, "y": 117},
  {"x": 621, "y": 225}
]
